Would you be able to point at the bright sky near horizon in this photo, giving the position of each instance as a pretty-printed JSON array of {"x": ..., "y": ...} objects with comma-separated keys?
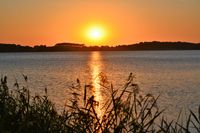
[{"x": 98, "y": 22}]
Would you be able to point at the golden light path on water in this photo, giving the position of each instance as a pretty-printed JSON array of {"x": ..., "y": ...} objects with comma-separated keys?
[{"x": 95, "y": 66}]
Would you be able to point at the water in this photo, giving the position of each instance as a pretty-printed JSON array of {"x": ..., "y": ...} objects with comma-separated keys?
[{"x": 175, "y": 75}]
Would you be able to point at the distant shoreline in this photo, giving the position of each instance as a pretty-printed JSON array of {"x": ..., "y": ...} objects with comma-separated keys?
[
  {"x": 94, "y": 51},
  {"x": 64, "y": 47}
]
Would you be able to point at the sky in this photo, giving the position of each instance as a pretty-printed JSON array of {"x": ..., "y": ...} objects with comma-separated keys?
[{"x": 47, "y": 22}]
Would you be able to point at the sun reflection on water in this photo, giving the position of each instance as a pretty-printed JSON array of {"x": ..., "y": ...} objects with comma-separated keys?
[{"x": 95, "y": 66}]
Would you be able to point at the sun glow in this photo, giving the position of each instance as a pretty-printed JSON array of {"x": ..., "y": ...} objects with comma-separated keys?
[{"x": 96, "y": 34}]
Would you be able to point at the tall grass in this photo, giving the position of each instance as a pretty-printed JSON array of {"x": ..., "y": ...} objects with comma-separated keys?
[{"x": 126, "y": 110}]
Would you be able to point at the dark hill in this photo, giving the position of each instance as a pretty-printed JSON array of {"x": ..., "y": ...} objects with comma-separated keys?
[{"x": 155, "y": 45}]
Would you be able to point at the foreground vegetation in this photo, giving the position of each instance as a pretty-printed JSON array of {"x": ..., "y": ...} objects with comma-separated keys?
[{"x": 127, "y": 110}]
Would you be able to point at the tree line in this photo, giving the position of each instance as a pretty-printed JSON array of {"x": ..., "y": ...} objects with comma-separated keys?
[{"x": 154, "y": 45}]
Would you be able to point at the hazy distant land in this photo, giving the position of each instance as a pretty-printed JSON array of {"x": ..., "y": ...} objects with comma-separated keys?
[{"x": 155, "y": 45}]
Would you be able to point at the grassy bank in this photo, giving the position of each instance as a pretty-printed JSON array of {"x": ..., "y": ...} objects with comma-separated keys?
[{"x": 127, "y": 110}]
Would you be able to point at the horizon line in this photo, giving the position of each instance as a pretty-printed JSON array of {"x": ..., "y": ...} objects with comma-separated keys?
[{"x": 87, "y": 45}]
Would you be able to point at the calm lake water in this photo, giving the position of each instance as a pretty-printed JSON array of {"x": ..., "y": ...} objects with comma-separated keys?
[{"x": 175, "y": 75}]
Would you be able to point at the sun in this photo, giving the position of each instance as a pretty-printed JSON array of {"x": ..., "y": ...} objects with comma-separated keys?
[{"x": 96, "y": 33}]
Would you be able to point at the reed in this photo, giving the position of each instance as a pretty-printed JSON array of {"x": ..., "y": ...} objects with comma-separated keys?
[{"x": 127, "y": 110}]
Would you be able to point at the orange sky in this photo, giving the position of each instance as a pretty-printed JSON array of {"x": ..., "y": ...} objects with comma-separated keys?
[{"x": 34, "y": 22}]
